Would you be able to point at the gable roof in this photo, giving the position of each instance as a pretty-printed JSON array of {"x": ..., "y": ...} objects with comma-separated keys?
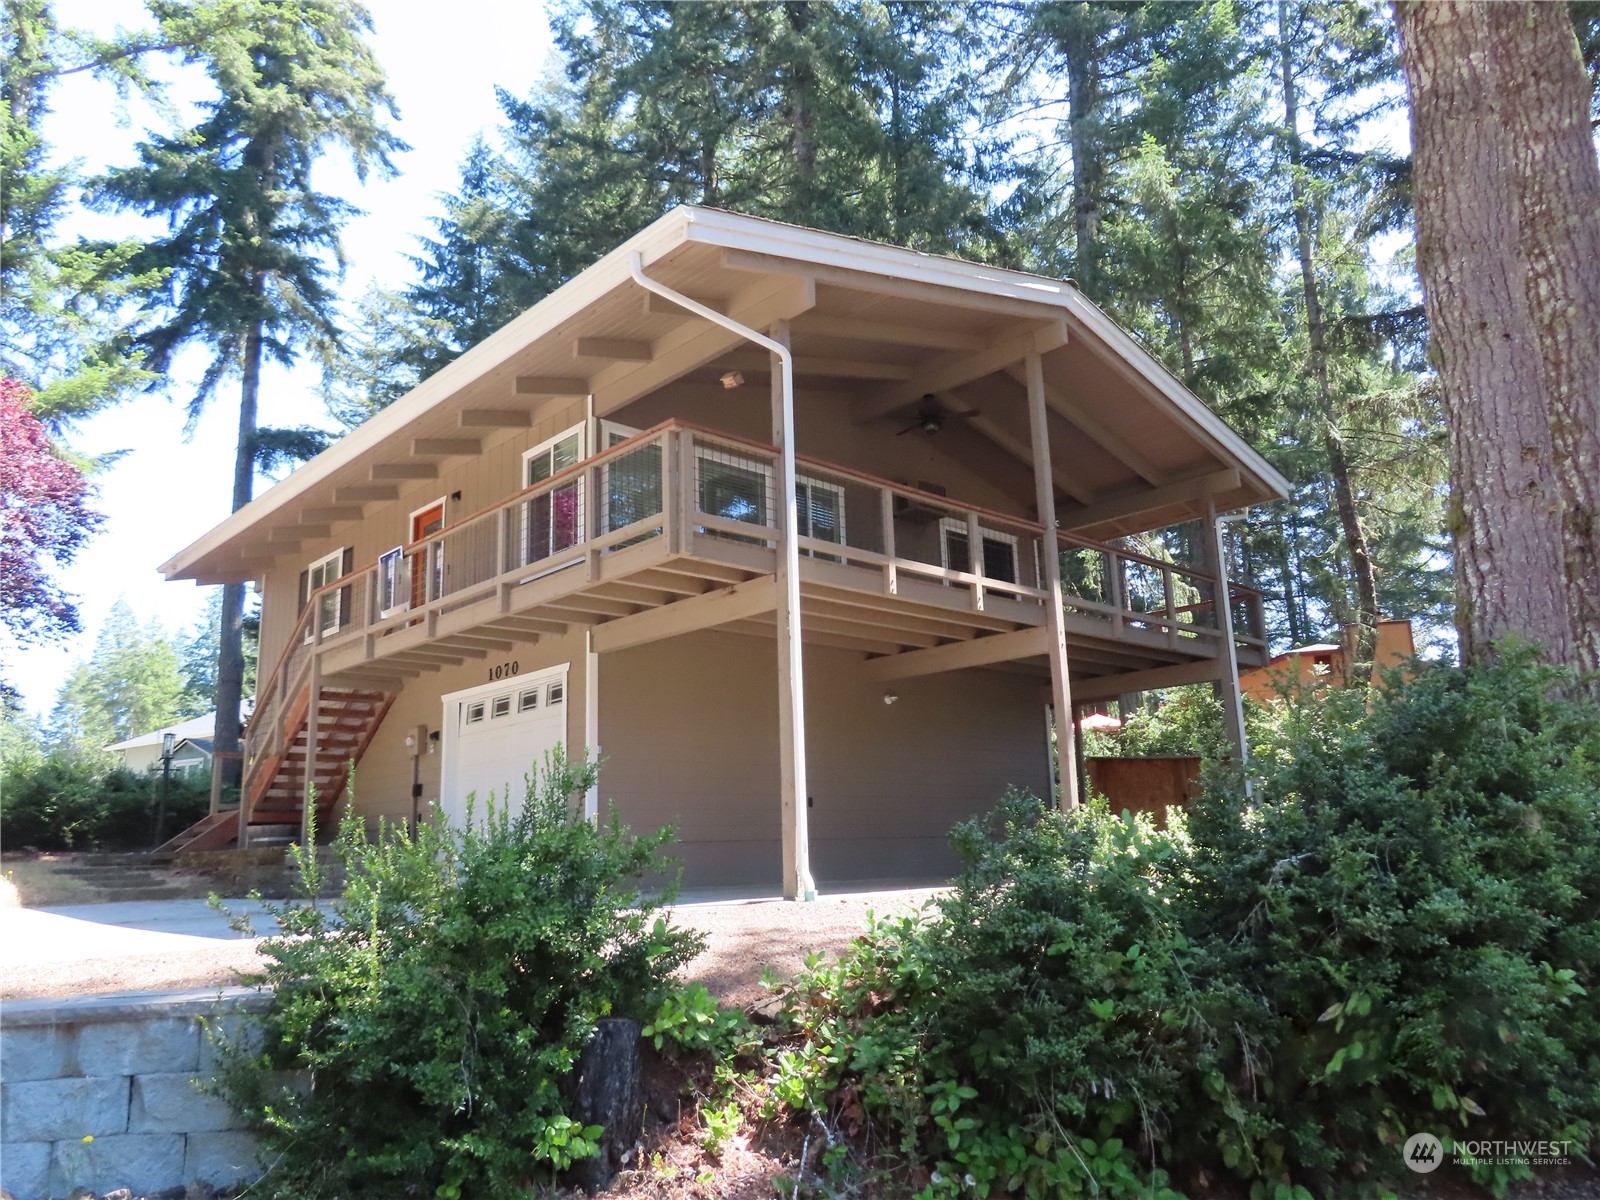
[
  {"x": 194, "y": 727},
  {"x": 761, "y": 271}
]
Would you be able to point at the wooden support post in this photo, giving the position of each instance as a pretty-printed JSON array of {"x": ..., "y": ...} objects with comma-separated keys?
[
  {"x": 671, "y": 528},
  {"x": 793, "y": 797},
  {"x": 591, "y": 720},
  {"x": 1055, "y": 614},
  {"x": 891, "y": 577},
  {"x": 688, "y": 488},
  {"x": 1116, "y": 592},
  {"x": 975, "y": 558},
  {"x": 1170, "y": 602},
  {"x": 313, "y": 721},
  {"x": 1227, "y": 649}
]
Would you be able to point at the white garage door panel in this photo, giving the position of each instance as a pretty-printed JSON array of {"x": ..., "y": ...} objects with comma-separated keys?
[{"x": 496, "y": 735}]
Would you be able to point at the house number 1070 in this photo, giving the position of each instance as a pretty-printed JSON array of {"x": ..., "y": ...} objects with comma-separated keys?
[{"x": 504, "y": 670}]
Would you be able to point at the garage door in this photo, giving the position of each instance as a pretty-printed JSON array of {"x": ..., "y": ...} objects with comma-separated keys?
[{"x": 495, "y": 734}]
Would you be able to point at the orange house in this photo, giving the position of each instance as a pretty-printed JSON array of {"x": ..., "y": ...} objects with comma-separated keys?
[{"x": 1324, "y": 663}]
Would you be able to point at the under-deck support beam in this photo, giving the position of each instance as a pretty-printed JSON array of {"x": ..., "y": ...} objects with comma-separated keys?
[
  {"x": 1228, "y": 652},
  {"x": 1055, "y": 614}
]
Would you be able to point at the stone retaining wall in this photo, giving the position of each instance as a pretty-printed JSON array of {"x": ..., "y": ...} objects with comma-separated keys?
[{"x": 98, "y": 1092}]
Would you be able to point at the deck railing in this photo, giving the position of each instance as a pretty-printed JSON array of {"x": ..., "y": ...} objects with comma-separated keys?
[{"x": 685, "y": 483}]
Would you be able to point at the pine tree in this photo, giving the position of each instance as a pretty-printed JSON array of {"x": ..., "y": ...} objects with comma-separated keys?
[
  {"x": 65, "y": 329},
  {"x": 129, "y": 686},
  {"x": 251, "y": 245}
]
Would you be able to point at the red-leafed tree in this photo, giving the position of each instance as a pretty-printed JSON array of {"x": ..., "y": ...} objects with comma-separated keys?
[{"x": 45, "y": 519}]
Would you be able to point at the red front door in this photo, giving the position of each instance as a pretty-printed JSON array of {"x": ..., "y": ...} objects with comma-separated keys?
[{"x": 430, "y": 559}]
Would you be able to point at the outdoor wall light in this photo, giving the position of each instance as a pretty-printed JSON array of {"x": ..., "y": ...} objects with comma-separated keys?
[{"x": 732, "y": 379}]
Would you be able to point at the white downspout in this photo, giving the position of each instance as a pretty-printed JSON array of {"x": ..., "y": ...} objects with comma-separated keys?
[{"x": 789, "y": 601}]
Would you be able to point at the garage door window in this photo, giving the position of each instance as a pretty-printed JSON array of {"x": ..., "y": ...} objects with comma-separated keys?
[{"x": 528, "y": 699}]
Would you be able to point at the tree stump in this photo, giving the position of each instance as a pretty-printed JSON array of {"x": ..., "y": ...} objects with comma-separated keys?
[{"x": 606, "y": 1092}]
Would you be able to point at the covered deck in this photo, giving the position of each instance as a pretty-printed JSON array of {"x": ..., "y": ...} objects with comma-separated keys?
[{"x": 674, "y": 529}]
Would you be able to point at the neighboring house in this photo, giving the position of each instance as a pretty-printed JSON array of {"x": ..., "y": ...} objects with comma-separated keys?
[
  {"x": 615, "y": 523},
  {"x": 142, "y": 754},
  {"x": 191, "y": 757},
  {"x": 1323, "y": 664}
]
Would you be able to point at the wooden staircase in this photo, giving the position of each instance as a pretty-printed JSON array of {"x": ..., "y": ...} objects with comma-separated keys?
[
  {"x": 347, "y": 719},
  {"x": 275, "y": 781}
]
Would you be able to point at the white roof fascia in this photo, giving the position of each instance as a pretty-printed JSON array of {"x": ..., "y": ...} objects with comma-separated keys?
[
  {"x": 806, "y": 245},
  {"x": 578, "y": 293}
]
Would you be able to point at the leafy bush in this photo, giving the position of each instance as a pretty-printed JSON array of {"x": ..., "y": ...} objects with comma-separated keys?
[
  {"x": 1183, "y": 721},
  {"x": 1397, "y": 932},
  {"x": 58, "y": 802},
  {"x": 428, "y": 1019},
  {"x": 1032, "y": 1039},
  {"x": 1412, "y": 902}
]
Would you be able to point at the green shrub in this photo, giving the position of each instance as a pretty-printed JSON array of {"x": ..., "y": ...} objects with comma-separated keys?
[
  {"x": 429, "y": 1018},
  {"x": 1412, "y": 902},
  {"x": 1398, "y": 931},
  {"x": 58, "y": 802},
  {"x": 1034, "y": 1038}
]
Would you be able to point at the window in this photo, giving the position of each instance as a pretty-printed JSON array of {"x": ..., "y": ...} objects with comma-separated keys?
[
  {"x": 740, "y": 490},
  {"x": 501, "y": 707},
  {"x": 631, "y": 484},
  {"x": 734, "y": 490},
  {"x": 529, "y": 699},
  {"x": 394, "y": 585},
  {"x": 821, "y": 510},
  {"x": 555, "y": 693},
  {"x": 473, "y": 713},
  {"x": 553, "y": 520},
  {"x": 999, "y": 550},
  {"x": 319, "y": 575}
]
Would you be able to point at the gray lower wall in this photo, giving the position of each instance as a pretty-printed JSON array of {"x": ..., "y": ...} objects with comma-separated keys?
[{"x": 99, "y": 1093}]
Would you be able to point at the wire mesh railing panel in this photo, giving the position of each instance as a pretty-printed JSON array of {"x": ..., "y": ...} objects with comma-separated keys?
[
  {"x": 733, "y": 487},
  {"x": 629, "y": 489}
]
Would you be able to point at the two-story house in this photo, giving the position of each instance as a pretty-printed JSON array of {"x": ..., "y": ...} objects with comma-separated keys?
[{"x": 804, "y": 535}]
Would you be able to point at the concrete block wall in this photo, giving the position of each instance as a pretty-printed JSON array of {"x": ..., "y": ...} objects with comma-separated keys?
[{"x": 98, "y": 1093}]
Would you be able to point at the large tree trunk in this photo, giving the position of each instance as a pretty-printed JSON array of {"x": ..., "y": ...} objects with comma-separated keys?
[
  {"x": 1350, "y": 526},
  {"x": 230, "y": 647},
  {"x": 1081, "y": 51},
  {"x": 1507, "y": 196}
]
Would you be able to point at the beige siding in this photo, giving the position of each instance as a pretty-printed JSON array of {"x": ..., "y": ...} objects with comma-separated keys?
[
  {"x": 689, "y": 732},
  {"x": 955, "y": 459}
]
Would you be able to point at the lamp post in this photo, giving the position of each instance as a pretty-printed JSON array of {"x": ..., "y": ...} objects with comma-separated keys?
[{"x": 167, "y": 740}]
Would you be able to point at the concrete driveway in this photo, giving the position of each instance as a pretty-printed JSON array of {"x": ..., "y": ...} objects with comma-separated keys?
[
  {"x": 150, "y": 945},
  {"x": 135, "y": 945}
]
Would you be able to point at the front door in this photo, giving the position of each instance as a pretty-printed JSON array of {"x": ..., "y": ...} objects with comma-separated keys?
[{"x": 427, "y": 563}]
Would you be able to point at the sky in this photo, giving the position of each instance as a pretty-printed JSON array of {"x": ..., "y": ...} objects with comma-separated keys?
[{"x": 443, "y": 63}]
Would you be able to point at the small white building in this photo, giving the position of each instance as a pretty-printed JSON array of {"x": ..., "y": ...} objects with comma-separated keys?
[{"x": 192, "y": 748}]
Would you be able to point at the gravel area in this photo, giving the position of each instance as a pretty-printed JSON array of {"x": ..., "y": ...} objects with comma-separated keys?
[
  {"x": 96, "y": 949},
  {"x": 742, "y": 939}
]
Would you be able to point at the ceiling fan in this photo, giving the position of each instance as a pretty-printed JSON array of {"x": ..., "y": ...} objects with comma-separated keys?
[{"x": 931, "y": 416}]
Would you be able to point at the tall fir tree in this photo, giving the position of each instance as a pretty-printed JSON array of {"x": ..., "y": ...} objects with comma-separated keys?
[
  {"x": 252, "y": 246},
  {"x": 130, "y": 685}
]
